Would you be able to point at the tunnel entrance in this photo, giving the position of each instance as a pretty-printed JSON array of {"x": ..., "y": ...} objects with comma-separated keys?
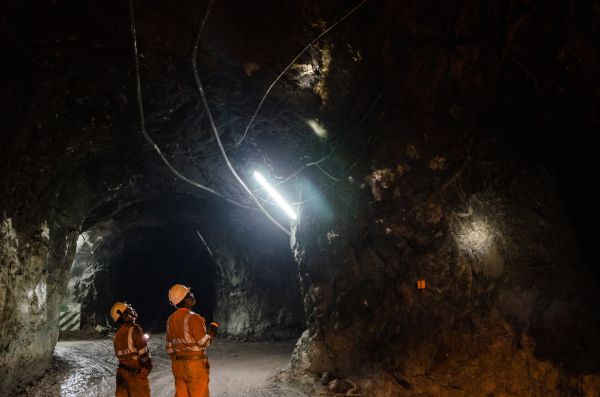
[
  {"x": 155, "y": 258},
  {"x": 249, "y": 284}
]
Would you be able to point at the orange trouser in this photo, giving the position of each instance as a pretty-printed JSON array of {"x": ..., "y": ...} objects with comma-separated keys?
[
  {"x": 191, "y": 377},
  {"x": 130, "y": 384}
]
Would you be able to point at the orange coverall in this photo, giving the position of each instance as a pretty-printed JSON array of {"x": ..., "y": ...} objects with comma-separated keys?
[
  {"x": 187, "y": 341},
  {"x": 130, "y": 346}
]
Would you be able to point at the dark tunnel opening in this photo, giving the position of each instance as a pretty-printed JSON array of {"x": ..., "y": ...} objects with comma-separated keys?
[
  {"x": 243, "y": 274},
  {"x": 155, "y": 258}
]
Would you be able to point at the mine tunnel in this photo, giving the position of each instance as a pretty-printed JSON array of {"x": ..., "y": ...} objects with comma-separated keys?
[
  {"x": 163, "y": 254},
  {"x": 156, "y": 257},
  {"x": 371, "y": 198}
]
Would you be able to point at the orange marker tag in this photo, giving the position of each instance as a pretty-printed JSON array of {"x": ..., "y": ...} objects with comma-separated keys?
[{"x": 421, "y": 284}]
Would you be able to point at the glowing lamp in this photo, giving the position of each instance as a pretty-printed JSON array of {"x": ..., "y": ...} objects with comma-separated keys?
[{"x": 276, "y": 196}]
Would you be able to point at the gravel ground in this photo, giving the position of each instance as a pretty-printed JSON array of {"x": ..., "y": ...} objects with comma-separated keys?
[{"x": 87, "y": 369}]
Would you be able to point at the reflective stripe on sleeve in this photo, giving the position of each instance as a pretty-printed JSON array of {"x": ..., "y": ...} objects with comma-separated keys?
[
  {"x": 204, "y": 341},
  {"x": 130, "y": 339}
]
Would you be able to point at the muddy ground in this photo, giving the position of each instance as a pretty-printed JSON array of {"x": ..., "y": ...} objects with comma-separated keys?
[{"x": 87, "y": 368}]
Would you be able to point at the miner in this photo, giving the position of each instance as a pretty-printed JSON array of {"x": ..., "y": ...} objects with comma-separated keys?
[
  {"x": 132, "y": 351},
  {"x": 186, "y": 343}
]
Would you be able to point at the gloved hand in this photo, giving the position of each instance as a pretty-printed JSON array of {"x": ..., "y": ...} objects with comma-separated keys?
[
  {"x": 146, "y": 363},
  {"x": 213, "y": 328}
]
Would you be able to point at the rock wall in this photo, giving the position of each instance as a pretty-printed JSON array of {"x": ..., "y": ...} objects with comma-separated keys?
[
  {"x": 458, "y": 179},
  {"x": 92, "y": 278},
  {"x": 33, "y": 270},
  {"x": 258, "y": 293},
  {"x": 504, "y": 286}
]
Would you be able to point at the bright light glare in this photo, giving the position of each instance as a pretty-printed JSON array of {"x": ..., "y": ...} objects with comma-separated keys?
[
  {"x": 317, "y": 128},
  {"x": 276, "y": 196},
  {"x": 477, "y": 236}
]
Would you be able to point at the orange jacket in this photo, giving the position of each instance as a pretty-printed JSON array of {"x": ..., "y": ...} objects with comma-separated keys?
[
  {"x": 186, "y": 334},
  {"x": 130, "y": 346}
]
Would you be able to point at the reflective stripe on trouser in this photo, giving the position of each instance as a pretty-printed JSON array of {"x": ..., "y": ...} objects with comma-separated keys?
[
  {"x": 130, "y": 384},
  {"x": 191, "y": 377}
]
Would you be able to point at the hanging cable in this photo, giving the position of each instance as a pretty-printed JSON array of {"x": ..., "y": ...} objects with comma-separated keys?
[
  {"x": 214, "y": 127},
  {"x": 295, "y": 173},
  {"x": 328, "y": 155},
  {"x": 204, "y": 242},
  {"x": 291, "y": 64},
  {"x": 143, "y": 122},
  {"x": 344, "y": 174},
  {"x": 333, "y": 178}
]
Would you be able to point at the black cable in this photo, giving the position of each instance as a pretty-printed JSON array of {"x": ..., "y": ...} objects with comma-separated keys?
[{"x": 328, "y": 155}]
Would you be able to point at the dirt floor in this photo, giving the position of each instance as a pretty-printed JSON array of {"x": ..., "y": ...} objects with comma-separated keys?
[{"x": 87, "y": 368}]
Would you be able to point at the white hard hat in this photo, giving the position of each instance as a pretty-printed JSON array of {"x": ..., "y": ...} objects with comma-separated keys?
[
  {"x": 177, "y": 293},
  {"x": 118, "y": 309}
]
